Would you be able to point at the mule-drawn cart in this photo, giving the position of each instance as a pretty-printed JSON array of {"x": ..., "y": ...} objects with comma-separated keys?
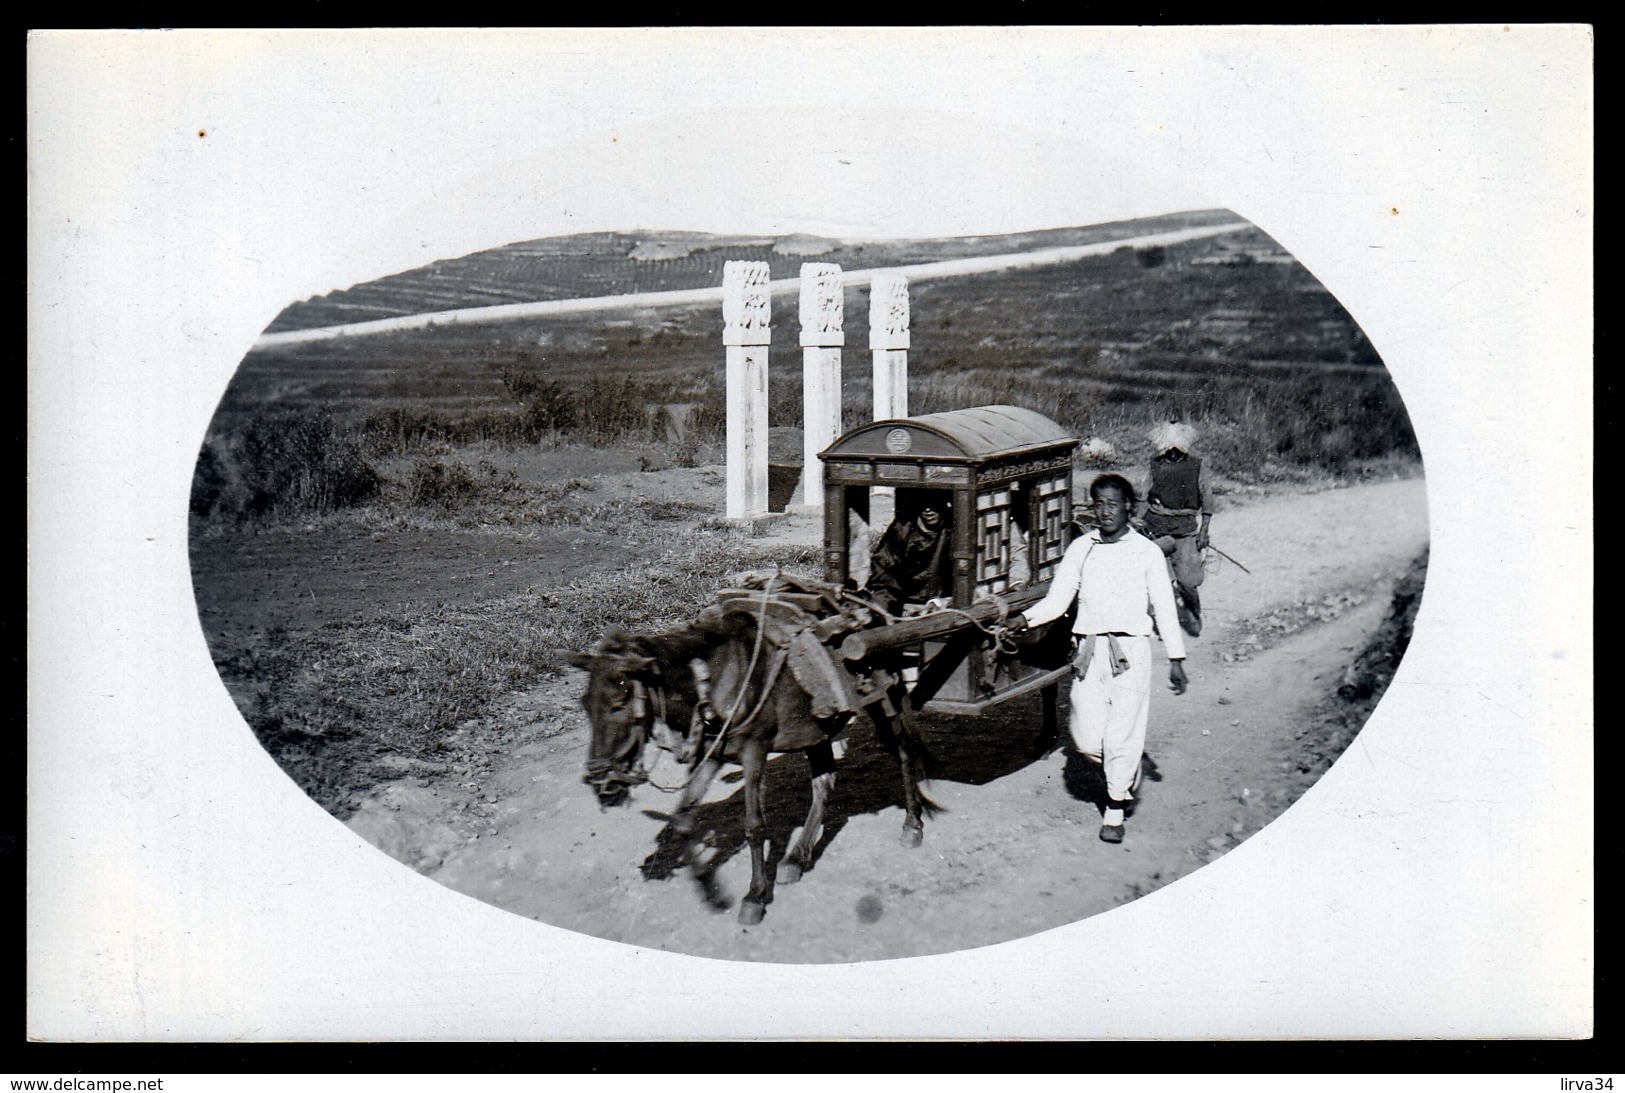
[
  {"x": 1005, "y": 474},
  {"x": 783, "y": 664}
]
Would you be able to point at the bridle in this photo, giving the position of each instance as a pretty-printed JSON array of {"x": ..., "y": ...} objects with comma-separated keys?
[
  {"x": 602, "y": 773},
  {"x": 617, "y": 769},
  {"x": 649, "y": 717}
]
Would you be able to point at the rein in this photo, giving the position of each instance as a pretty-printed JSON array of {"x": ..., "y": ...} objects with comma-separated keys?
[{"x": 642, "y": 775}]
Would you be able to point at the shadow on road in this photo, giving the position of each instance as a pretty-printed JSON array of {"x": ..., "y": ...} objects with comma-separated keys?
[
  {"x": 973, "y": 751},
  {"x": 1086, "y": 781}
]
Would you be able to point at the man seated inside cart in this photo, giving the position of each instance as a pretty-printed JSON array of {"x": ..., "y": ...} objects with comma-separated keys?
[{"x": 912, "y": 564}]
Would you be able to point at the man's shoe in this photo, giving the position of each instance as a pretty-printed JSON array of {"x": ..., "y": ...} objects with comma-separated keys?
[{"x": 1111, "y": 826}]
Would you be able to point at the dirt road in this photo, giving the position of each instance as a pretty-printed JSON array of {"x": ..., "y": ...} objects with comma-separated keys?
[{"x": 1015, "y": 849}]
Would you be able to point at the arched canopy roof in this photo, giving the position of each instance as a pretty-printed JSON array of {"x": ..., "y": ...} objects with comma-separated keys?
[{"x": 976, "y": 434}]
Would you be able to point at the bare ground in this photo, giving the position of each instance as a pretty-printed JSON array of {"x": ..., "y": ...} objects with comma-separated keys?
[{"x": 1014, "y": 849}]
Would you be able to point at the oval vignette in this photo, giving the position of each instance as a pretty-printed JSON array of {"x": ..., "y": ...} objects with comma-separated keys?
[{"x": 407, "y": 511}]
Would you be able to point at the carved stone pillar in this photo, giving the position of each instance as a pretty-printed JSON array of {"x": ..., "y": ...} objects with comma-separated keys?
[
  {"x": 888, "y": 341},
  {"x": 821, "y": 340},
  {"x": 746, "y": 311}
]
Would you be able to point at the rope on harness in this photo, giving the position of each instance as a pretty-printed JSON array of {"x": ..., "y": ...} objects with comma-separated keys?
[
  {"x": 665, "y": 744},
  {"x": 728, "y": 722},
  {"x": 739, "y": 695},
  {"x": 1003, "y": 643}
]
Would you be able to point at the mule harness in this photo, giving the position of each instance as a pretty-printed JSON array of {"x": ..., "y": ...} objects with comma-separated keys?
[{"x": 701, "y": 722}]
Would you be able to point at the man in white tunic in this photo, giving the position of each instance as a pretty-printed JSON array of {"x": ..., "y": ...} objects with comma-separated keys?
[{"x": 1119, "y": 579}]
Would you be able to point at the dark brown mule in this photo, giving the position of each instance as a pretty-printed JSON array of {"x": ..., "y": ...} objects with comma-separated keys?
[{"x": 644, "y": 688}]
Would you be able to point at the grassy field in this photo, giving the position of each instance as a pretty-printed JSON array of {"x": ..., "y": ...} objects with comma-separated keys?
[
  {"x": 391, "y": 534},
  {"x": 360, "y": 637}
]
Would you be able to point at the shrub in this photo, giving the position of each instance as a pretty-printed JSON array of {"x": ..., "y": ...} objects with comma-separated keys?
[
  {"x": 505, "y": 427},
  {"x": 549, "y": 408},
  {"x": 662, "y": 426},
  {"x": 521, "y": 382},
  {"x": 785, "y": 407},
  {"x": 435, "y": 483},
  {"x": 688, "y": 450},
  {"x": 281, "y": 464},
  {"x": 396, "y": 431},
  {"x": 615, "y": 409},
  {"x": 448, "y": 485},
  {"x": 211, "y": 481},
  {"x": 399, "y": 431},
  {"x": 708, "y": 420}
]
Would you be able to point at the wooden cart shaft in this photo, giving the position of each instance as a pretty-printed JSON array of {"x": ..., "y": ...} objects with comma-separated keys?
[{"x": 880, "y": 640}]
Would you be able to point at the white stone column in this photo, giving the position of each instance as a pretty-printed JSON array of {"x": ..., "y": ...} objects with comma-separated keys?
[
  {"x": 888, "y": 341},
  {"x": 822, "y": 311},
  {"x": 746, "y": 311}
]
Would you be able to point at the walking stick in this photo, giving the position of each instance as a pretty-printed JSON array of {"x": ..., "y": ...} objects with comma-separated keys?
[{"x": 1229, "y": 559}]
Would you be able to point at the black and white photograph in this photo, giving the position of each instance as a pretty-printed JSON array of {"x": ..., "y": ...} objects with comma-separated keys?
[
  {"x": 936, "y": 533},
  {"x": 453, "y": 555}
]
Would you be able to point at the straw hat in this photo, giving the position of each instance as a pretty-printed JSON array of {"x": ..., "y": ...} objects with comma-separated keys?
[{"x": 1172, "y": 434}]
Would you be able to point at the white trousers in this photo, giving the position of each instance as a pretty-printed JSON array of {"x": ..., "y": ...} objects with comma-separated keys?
[{"x": 1108, "y": 714}]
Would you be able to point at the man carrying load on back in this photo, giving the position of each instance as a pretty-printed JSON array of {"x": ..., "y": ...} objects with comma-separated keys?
[{"x": 1177, "y": 512}]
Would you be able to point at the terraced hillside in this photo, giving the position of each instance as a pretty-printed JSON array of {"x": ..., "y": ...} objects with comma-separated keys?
[
  {"x": 620, "y": 263},
  {"x": 1227, "y": 330}
]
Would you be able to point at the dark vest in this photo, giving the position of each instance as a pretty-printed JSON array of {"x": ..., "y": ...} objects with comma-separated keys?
[{"x": 1177, "y": 485}]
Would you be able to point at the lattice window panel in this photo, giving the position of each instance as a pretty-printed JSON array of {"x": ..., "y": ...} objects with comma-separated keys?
[
  {"x": 993, "y": 541},
  {"x": 1052, "y": 515}
]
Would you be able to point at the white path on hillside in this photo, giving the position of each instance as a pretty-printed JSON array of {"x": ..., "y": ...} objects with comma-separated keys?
[{"x": 953, "y": 267}]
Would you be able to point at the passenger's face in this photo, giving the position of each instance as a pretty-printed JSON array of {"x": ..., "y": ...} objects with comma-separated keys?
[
  {"x": 1111, "y": 510},
  {"x": 930, "y": 517}
]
